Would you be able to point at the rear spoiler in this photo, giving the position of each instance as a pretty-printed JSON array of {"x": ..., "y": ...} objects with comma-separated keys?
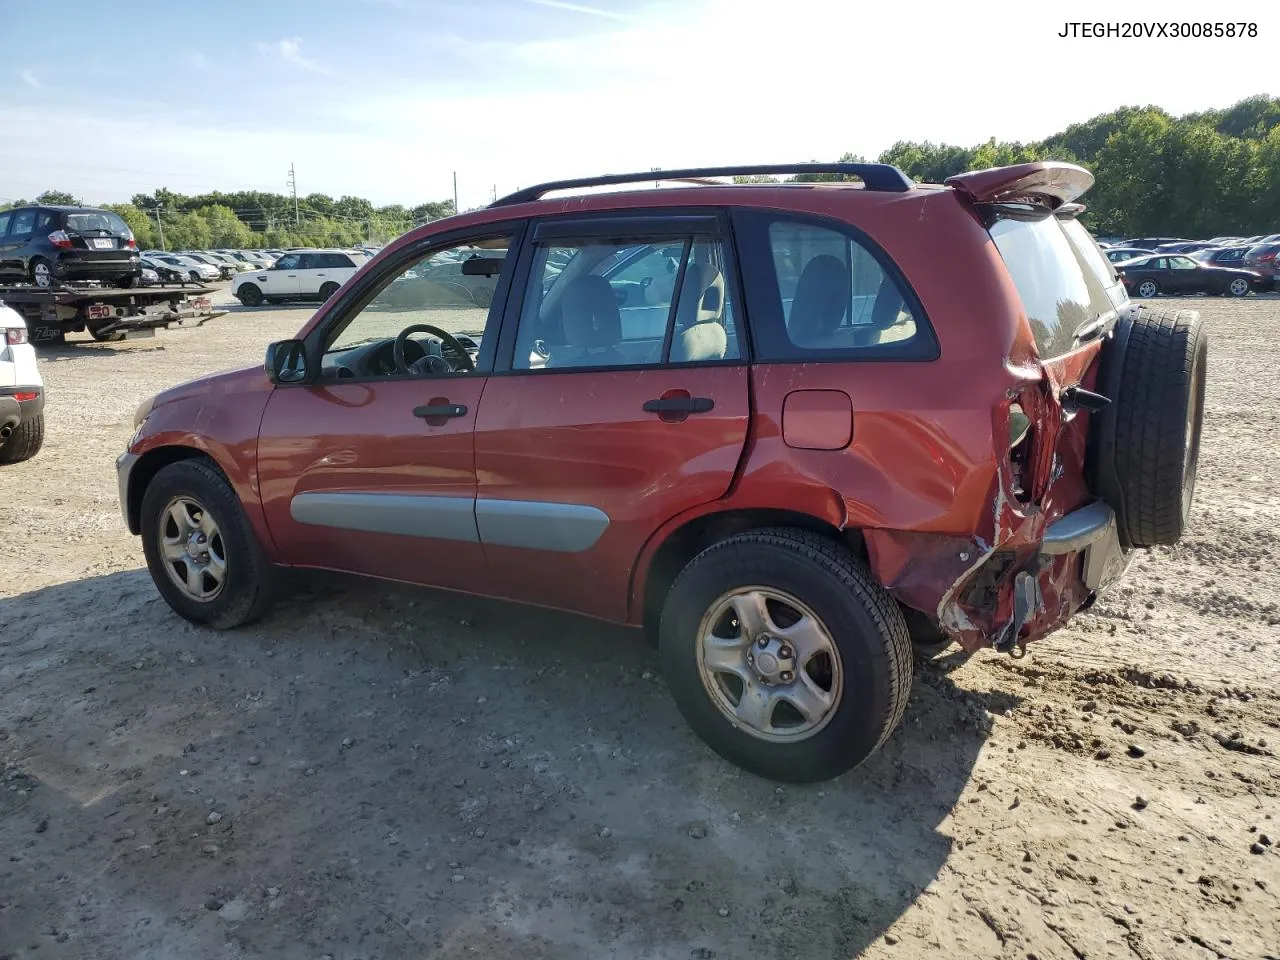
[{"x": 1045, "y": 181}]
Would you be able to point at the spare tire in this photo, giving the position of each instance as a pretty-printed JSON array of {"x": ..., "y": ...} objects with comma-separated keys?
[{"x": 1146, "y": 448}]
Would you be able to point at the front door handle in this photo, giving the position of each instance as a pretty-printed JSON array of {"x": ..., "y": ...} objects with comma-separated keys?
[
  {"x": 679, "y": 405},
  {"x": 440, "y": 410}
]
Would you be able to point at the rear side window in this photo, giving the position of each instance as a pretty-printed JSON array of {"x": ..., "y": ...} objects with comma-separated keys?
[
  {"x": 333, "y": 260},
  {"x": 818, "y": 290},
  {"x": 1059, "y": 292}
]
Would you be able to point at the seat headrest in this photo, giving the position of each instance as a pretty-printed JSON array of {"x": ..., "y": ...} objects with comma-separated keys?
[
  {"x": 704, "y": 284},
  {"x": 590, "y": 312},
  {"x": 821, "y": 299}
]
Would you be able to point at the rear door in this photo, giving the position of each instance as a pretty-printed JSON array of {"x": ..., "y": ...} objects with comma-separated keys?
[{"x": 620, "y": 401}]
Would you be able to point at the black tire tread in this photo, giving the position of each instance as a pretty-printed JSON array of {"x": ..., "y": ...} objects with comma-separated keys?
[
  {"x": 1157, "y": 383},
  {"x": 25, "y": 441},
  {"x": 251, "y": 603},
  {"x": 853, "y": 575}
]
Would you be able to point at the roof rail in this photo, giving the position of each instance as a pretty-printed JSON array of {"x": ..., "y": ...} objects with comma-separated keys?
[{"x": 874, "y": 176}]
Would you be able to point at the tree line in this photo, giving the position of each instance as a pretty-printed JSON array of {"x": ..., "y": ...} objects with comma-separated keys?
[
  {"x": 250, "y": 219},
  {"x": 1199, "y": 175}
]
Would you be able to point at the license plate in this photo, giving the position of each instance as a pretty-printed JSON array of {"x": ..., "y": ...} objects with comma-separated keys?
[
  {"x": 202, "y": 303},
  {"x": 98, "y": 311},
  {"x": 103, "y": 243}
]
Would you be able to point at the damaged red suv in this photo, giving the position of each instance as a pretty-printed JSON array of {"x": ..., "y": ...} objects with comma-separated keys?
[{"x": 793, "y": 430}]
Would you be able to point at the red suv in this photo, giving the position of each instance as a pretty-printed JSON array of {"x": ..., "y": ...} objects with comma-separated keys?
[{"x": 792, "y": 430}]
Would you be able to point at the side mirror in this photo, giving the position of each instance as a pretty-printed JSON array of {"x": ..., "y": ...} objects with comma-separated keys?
[{"x": 287, "y": 362}]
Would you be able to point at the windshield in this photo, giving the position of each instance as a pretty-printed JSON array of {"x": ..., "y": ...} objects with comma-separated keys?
[
  {"x": 1058, "y": 290},
  {"x": 99, "y": 221}
]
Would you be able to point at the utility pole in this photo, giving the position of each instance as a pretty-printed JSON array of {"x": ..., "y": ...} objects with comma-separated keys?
[
  {"x": 293, "y": 185},
  {"x": 160, "y": 224},
  {"x": 455, "y": 192}
]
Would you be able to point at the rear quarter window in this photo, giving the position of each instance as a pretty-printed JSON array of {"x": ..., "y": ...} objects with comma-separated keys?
[
  {"x": 820, "y": 290},
  {"x": 1059, "y": 291}
]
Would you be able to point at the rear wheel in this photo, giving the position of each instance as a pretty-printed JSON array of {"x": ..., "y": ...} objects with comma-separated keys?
[
  {"x": 328, "y": 290},
  {"x": 1238, "y": 287},
  {"x": 42, "y": 272},
  {"x": 249, "y": 294},
  {"x": 111, "y": 336},
  {"x": 201, "y": 551},
  {"x": 784, "y": 655},
  {"x": 1148, "y": 289},
  {"x": 25, "y": 441}
]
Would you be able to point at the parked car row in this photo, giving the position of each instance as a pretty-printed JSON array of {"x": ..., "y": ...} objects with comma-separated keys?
[{"x": 1231, "y": 266}]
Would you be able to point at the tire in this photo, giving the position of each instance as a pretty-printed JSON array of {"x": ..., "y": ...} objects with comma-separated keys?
[
  {"x": 1148, "y": 289},
  {"x": 249, "y": 294},
  {"x": 247, "y": 577},
  {"x": 927, "y": 641},
  {"x": 1148, "y": 444},
  {"x": 113, "y": 336},
  {"x": 194, "y": 276},
  {"x": 128, "y": 281},
  {"x": 42, "y": 273},
  {"x": 869, "y": 668},
  {"x": 1236, "y": 287},
  {"x": 25, "y": 441},
  {"x": 328, "y": 290}
]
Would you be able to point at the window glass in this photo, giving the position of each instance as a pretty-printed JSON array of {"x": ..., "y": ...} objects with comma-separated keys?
[
  {"x": 24, "y": 222},
  {"x": 609, "y": 304},
  {"x": 4, "y": 223},
  {"x": 289, "y": 262},
  {"x": 1182, "y": 263},
  {"x": 834, "y": 294},
  {"x": 1058, "y": 293},
  {"x": 97, "y": 221},
  {"x": 451, "y": 289}
]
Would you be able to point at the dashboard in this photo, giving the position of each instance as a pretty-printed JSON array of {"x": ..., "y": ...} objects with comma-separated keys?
[{"x": 376, "y": 358}]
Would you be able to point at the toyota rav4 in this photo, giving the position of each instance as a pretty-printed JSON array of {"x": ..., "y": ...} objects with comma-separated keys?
[{"x": 796, "y": 431}]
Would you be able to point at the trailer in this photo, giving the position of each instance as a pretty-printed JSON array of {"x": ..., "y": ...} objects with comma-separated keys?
[{"x": 107, "y": 313}]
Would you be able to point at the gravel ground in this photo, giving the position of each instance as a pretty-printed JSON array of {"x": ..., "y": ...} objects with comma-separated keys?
[{"x": 379, "y": 772}]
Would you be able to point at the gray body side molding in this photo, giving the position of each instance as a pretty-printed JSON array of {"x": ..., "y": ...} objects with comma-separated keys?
[{"x": 531, "y": 524}]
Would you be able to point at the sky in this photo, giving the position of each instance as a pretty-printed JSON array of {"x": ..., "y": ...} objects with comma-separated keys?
[{"x": 386, "y": 99}]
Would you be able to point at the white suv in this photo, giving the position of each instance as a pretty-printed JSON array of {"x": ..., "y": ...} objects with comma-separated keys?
[
  {"x": 21, "y": 391},
  {"x": 299, "y": 274}
]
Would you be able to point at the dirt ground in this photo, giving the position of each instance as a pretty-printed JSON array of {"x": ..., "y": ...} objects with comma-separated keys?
[{"x": 379, "y": 772}]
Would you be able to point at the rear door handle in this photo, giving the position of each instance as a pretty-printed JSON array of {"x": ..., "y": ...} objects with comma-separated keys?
[
  {"x": 441, "y": 410},
  {"x": 679, "y": 405}
]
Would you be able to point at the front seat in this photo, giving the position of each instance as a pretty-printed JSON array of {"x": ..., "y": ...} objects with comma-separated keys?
[
  {"x": 700, "y": 333},
  {"x": 592, "y": 325},
  {"x": 820, "y": 302}
]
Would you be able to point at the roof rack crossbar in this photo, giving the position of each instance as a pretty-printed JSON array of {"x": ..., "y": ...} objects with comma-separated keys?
[{"x": 874, "y": 176}]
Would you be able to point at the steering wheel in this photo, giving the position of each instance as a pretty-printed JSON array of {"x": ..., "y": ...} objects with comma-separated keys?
[{"x": 445, "y": 337}]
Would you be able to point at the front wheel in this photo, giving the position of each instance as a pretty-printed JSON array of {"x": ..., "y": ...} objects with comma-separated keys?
[
  {"x": 1238, "y": 287},
  {"x": 202, "y": 553},
  {"x": 249, "y": 294},
  {"x": 784, "y": 655},
  {"x": 128, "y": 281},
  {"x": 1148, "y": 289}
]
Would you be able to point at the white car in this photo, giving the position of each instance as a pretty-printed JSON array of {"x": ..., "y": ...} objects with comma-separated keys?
[
  {"x": 299, "y": 274},
  {"x": 193, "y": 269},
  {"x": 21, "y": 391}
]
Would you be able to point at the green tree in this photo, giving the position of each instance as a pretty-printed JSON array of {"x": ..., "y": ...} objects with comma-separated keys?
[
  {"x": 139, "y": 222},
  {"x": 58, "y": 198}
]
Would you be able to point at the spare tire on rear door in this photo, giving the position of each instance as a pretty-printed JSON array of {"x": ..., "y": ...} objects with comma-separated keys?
[{"x": 1147, "y": 445}]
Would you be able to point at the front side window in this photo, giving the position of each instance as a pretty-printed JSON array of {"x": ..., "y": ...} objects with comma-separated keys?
[
  {"x": 818, "y": 292},
  {"x": 4, "y": 223},
  {"x": 1059, "y": 293},
  {"x": 450, "y": 309},
  {"x": 290, "y": 262},
  {"x": 616, "y": 304}
]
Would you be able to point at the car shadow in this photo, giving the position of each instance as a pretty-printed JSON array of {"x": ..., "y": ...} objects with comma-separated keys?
[{"x": 404, "y": 772}]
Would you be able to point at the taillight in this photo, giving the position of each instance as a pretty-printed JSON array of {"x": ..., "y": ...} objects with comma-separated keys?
[
  {"x": 25, "y": 395},
  {"x": 15, "y": 335},
  {"x": 1267, "y": 256},
  {"x": 131, "y": 244},
  {"x": 60, "y": 239}
]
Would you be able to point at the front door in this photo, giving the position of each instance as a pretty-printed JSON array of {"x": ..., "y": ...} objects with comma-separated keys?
[
  {"x": 623, "y": 403},
  {"x": 281, "y": 279},
  {"x": 370, "y": 468}
]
